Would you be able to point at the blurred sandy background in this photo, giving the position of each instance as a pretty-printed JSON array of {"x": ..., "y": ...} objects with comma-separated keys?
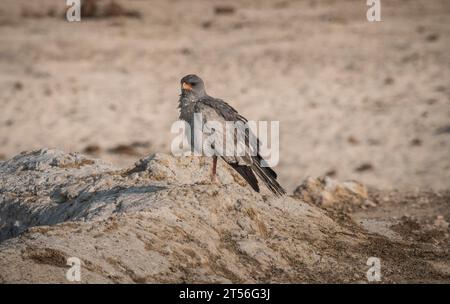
[{"x": 355, "y": 100}]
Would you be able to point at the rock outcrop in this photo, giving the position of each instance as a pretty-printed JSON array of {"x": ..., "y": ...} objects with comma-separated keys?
[
  {"x": 326, "y": 192},
  {"x": 162, "y": 221}
]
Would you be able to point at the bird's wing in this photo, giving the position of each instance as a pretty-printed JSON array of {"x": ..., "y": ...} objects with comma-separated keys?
[
  {"x": 215, "y": 129},
  {"x": 249, "y": 162},
  {"x": 220, "y": 115},
  {"x": 243, "y": 148},
  {"x": 251, "y": 143},
  {"x": 223, "y": 108}
]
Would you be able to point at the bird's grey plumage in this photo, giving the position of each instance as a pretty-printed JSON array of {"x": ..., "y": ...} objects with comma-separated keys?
[{"x": 194, "y": 99}]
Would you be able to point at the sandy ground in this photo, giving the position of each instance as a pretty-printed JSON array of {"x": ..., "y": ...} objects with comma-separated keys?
[{"x": 356, "y": 100}]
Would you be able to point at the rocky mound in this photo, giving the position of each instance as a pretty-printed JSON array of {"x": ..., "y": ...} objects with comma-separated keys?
[{"x": 162, "y": 221}]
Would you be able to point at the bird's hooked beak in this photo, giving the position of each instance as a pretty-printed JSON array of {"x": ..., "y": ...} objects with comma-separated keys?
[{"x": 186, "y": 86}]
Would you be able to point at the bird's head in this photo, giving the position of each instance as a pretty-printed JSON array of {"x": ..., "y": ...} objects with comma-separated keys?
[{"x": 192, "y": 84}]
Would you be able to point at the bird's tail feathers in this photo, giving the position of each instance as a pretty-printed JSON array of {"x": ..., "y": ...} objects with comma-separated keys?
[
  {"x": 268, "y": 176},
  {"x": 247, "y": 173}
]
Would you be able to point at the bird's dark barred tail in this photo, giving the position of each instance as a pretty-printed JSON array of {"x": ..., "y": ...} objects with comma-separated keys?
[
  {"x": 268, "y": 176},
  {"x": 247, "y": 173}
]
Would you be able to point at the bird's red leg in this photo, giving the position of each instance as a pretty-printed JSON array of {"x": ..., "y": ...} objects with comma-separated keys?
[{"x": 213, "y": 171}]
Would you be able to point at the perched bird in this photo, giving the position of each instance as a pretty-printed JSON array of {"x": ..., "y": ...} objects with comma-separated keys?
[{"x": 194, "y": 99}]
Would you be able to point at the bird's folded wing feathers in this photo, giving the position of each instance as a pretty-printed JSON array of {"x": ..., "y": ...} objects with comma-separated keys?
[
  {"x": 235, "y": 150},
  {"x": 249, "y": 163},
  {"x": 228, "y": 113}
]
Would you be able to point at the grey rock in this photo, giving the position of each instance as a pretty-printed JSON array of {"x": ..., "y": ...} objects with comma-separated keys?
[{"x": 161, "y": 221}]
